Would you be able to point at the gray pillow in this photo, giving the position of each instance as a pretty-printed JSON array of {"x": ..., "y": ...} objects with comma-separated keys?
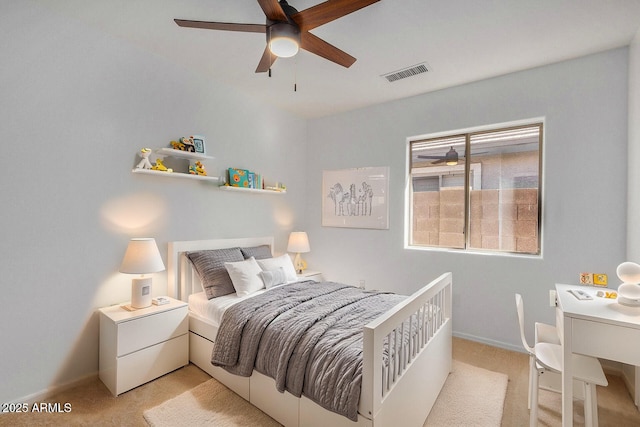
[
  {"x": 258, "y": 252},
  {"x": 210, "y": 267},
  {"x": 273, "y": 278}
]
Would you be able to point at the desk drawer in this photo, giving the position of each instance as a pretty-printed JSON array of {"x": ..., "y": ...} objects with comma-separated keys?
[{"x": 612, "y": 342}]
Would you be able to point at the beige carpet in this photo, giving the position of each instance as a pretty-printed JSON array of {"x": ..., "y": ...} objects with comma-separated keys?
[
  {"x": 470, "y": 397},
  {"x": 209, "y": 404}
]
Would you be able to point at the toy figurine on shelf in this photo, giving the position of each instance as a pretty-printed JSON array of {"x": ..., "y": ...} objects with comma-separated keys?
[
  {"x": 185, "y": 144},
  {"x": 144, "y": 163},
  {"x": 197, "y": 168},
  {"x": 159, "y": 166}
]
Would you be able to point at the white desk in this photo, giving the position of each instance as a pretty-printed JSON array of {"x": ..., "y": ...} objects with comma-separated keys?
[{"x": 599, "y": 327}]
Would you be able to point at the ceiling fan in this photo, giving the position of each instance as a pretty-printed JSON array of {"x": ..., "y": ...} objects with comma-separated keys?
[
  {"x": 287, "y": 30},
  {"x": 451, "y": 158}
]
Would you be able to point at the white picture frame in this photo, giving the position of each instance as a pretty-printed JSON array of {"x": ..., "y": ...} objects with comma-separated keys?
[{"x": 356, "y": 198}]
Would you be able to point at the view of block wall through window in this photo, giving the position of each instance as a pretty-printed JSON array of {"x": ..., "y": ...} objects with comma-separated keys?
[{"x": 499, "y": 208}]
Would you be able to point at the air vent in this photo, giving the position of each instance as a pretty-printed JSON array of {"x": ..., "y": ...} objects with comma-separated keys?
[{"x": 406, "y": 72}]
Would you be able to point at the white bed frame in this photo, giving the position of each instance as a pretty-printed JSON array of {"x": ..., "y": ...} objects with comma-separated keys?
[{"x": 404, "y": 392}]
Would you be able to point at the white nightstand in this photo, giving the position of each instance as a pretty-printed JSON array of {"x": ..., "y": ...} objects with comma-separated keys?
[
  {"x": 316, "y": 276},
  {"x": 139, "y": 346}
]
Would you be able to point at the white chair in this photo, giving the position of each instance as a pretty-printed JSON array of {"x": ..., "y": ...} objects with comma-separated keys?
[{"x": 547, "y": 357}]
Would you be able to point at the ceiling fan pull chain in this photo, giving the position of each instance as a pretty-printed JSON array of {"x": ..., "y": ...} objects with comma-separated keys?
[{"x": 295, "y": 74}]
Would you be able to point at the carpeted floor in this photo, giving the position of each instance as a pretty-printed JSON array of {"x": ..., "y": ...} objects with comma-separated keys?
[
  {"x": 476, "y": 393},
  {"x": 92, "y": 404}
]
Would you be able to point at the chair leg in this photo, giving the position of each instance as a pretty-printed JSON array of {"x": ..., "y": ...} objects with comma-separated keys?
[
  {"x": 532, "y": 369},
  {"x": 533, "y": 413},
  {"x": 589, "y": 398},
  {"x": 593, "y": 394}
]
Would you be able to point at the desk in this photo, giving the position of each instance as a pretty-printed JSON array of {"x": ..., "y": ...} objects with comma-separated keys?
[{"x": 599, "y": 327}]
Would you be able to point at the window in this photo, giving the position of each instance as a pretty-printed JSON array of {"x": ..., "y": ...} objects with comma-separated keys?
[{"x": 477, "y": 190}]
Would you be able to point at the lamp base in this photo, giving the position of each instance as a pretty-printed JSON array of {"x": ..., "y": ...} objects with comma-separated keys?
[
  {"x": 141, "y": 292},
  {"x": 299, "y": 264},
  {"x": 629, "y": 294}
]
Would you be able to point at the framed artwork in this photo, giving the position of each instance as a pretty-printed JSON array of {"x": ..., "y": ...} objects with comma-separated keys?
[
  {"x": 198, "y": 143},
  {"x": 356, "y": 198}
]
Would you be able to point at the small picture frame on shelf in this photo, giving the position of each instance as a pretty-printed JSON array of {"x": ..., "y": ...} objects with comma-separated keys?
[{"x": 198, "y": 144}]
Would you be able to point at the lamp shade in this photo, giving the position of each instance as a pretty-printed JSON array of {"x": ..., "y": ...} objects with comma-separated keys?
[
  {"x": 298, "y": 242},
  {"x": 141, "y": 257}
]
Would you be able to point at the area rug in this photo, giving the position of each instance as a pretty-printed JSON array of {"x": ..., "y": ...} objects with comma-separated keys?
[
  {"x": 208, "y": 404},
  {"x": 470, "y": 397}
]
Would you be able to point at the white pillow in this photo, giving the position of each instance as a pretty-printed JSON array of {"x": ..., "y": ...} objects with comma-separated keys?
[
  {"x": 245, "y": 276},
  {"x": 273, "y": 278},
  {"x": 283, "y": 261}
]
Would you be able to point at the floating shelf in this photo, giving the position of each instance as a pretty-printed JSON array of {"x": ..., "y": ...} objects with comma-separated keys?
[
  {"x": 250, "y": 190},
  {"x": 176, "y": 175},
  {"x": 182, "y": 154}
]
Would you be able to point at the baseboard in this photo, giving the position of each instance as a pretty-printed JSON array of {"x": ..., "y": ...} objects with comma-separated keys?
[
  {"x": 55, "y": 389},
  {"x": 491, "y": 343}
]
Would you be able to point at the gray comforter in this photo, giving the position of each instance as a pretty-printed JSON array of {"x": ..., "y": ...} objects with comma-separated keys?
[{"x": 307, "y": 336}]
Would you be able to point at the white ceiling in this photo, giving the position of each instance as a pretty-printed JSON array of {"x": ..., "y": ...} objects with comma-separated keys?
[{"x": 460, "y": 40}]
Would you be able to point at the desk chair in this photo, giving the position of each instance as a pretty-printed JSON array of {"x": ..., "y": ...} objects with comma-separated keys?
[{"x": 547, "y": 357}]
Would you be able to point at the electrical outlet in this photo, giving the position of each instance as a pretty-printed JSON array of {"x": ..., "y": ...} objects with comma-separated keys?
[
  {"x": 552, "y": 298},
  {"x": 361, "y": 284}
]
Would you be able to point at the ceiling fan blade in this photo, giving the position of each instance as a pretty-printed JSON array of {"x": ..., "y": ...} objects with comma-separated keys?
[
  {"x": 431, "y": 157},
  {"x": 316, "y": 45},
  {"x": 266, "y": 61},
  {"x": 273, "y": 10},
  {"x": 226, "y": 26},
  {"x": 328, "y": 11}
]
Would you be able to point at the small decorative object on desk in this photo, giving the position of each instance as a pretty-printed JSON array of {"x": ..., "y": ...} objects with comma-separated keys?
[
  {"x": 144, "y": 163},
  {"x": 160, "y": 301},
  {"x": 597, "y": 279},
  {"x": 629, "y": 290}
]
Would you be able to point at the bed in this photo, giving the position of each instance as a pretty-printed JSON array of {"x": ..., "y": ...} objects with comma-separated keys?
[{"x": 400, "y": 378}]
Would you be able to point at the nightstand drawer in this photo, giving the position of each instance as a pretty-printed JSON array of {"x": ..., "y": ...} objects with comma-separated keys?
[
  {"x": 146, "y": 331},
  {"x": 150, "y": 363}
]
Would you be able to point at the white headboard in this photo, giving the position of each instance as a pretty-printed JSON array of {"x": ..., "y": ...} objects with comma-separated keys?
[{"x": 182, "y": 280}]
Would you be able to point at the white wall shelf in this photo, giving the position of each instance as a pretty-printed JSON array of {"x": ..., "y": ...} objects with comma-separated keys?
[
  {"x": 176, "y": 175},
  {"x": 182, "y": 154},
  {"x": 250, "y": 190},
  {"x": 170, "y": 152}
]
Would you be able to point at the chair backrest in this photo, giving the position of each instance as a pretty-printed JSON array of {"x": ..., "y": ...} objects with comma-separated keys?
[{"x": 520, "y": 309}]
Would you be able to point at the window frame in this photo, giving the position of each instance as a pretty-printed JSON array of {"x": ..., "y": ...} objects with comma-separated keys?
[{"x": 468, "y": 133}]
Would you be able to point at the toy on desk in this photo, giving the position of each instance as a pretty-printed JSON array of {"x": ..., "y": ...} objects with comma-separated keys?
[
  {"x": 607, "y": 294},
  {"x": 159, "y": 166},
  {"x": 197, "y": 168},
  {"x": 629, "y": 290},
  {"x": 144, "y": 163},
  {"x": 593, "y": 279}
]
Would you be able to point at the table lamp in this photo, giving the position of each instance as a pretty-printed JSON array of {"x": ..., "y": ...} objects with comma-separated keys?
[
  {"x": 629, "y": 291},
  {"x": 298, "y": 243},
  {"x": 141, "y": 257}
]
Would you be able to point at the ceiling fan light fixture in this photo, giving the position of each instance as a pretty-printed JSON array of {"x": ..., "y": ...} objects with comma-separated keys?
[
  {"x": 284, "y": 39},
  {"x": 451, "y": 158}
]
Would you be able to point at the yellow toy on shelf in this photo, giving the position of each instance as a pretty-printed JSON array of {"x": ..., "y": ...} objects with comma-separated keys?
[
  {"x": 197, "y": 168},
  {"x": 159, "y": 166}
]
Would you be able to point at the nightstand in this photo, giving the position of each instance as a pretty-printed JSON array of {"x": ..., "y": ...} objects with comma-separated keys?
[
  {"x": 139, "y": 346},
  {"x": 316, "y": 276}
]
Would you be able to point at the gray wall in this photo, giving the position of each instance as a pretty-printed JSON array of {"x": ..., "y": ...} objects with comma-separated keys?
[
  {"x": 584, "y": 105},
  {"x": 76, "y": 107}
]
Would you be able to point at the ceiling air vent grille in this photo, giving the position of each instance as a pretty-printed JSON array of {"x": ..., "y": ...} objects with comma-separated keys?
[{"x": 406, "y": 72}]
